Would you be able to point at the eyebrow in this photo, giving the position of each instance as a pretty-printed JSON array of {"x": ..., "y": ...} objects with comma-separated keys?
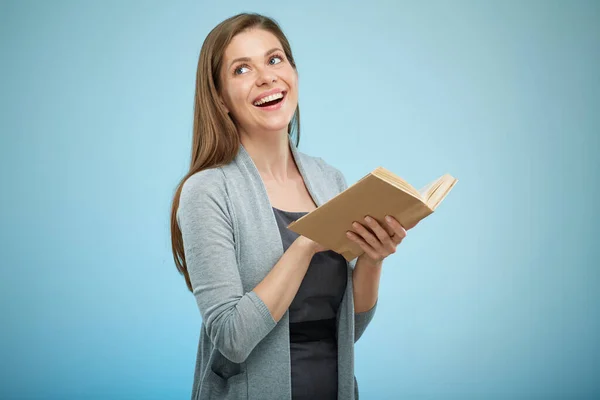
[{"x": 247, "y": 59}]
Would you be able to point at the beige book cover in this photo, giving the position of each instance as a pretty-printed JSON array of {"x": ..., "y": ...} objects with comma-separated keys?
[{"x": 378, "y": 194}]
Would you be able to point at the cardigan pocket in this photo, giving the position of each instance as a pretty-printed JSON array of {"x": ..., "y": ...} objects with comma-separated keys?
[
  {"x": 225, "y": 379},
  {"x": 225, "y": 368},
  {"x": 218, "y": 388}
]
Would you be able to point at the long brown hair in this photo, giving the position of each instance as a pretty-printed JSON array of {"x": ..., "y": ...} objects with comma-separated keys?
[{"x": 215, "y": 140}]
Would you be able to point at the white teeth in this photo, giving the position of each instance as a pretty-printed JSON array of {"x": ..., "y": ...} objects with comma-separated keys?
[{"x": 269, "y": 98}]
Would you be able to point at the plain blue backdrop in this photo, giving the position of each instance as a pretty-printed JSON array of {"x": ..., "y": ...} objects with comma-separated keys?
[{"x": 495, "y": 296}]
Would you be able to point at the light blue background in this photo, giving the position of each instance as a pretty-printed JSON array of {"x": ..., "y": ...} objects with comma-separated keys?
[{"x": 495, "y": 296}]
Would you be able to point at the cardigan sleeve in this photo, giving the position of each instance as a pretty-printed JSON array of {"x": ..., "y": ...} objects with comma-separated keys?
[
  {"x": 363, "y": 319},
  {"x": 235, "y": 321}
]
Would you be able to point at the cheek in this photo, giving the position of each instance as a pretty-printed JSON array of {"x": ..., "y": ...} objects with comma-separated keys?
[
  {"x": 234, "y": 95},
  {"x": 293, "y": 80},
  {"x": 234, "y": 100},
  {"x": 236, "y": 88}
]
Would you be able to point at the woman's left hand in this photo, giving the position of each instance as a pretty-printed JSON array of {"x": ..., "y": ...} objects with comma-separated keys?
[{"x": 377, "y": 242}]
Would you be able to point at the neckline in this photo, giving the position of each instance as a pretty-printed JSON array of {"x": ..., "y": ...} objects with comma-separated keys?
[{"x": 290, "y": 212}]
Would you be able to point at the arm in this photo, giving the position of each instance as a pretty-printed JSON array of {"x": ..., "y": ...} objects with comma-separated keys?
[
  {"x": 235, "y": 321},
  {"x": 280, "y": 286},
  {"x": 365, "y": 280},
  {"x": 365, "y": 286},
  {"x": 377, "y": 243},
  {"x": 365, "y": 275}
]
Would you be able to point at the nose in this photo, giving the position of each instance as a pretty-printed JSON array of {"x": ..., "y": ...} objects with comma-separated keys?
[{"x": 266, "y": 76}]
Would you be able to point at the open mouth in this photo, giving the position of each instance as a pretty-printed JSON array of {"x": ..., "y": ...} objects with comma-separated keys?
[{"x": 271, "y": 100}]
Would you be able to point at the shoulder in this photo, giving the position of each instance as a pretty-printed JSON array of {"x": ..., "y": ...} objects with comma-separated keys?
[
  {"x": 202, "y": 189},
  {"x": 205, "y": 181}
]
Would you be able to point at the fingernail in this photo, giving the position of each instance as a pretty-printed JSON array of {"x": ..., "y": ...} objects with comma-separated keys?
[
  {"x": 388, "y": 218},
  {"x": 368, "y": 219}
]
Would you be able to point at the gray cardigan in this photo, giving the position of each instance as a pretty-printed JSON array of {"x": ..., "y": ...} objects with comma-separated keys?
[{"x": 231, "y": 241}]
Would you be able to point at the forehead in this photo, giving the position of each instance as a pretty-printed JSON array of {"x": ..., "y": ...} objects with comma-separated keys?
[{"x": 251, "y": 43}]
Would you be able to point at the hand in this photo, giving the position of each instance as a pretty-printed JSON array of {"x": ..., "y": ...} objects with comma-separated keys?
[{"x": 377, "y": 242}]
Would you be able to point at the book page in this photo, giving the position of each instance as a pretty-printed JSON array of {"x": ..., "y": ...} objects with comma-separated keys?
[
  {"x": 397, "y": 181},
  {"x": 425, "y": 191},
  {"x": 441, "y": 190}
]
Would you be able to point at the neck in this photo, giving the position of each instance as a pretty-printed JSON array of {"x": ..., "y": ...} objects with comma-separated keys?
[{"x": 271, "y": 154}]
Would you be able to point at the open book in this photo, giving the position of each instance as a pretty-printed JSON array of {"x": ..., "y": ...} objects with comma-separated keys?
[{"x": 378, "y": 194}]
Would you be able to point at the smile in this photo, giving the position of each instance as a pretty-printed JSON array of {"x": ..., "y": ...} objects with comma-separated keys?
[{"x": 271, "y": 102}]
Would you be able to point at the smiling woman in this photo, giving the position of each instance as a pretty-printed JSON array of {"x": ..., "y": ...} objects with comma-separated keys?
[
  {"x": 280, "y": 313},
  {"x": 258, "y": 80}
]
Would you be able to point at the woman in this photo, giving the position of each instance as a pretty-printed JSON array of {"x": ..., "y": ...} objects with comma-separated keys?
[{"x": 280, "y": 313}]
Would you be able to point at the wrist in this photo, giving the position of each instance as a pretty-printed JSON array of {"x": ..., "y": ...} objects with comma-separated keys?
[
  {"x": 309, "y": 246},
  {"x": 369, "y": 262}
]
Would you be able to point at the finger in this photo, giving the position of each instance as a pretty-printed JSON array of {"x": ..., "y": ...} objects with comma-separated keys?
[
  {"x": 400, "y": 232},
  {"x": 399, "y": 236},
  {"x": 367, "y": 236},
  {"x": 364, "y": 245},
  {"x": 382, "y": 235}
]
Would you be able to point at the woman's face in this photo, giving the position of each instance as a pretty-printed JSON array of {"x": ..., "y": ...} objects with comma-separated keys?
[{"x": 259, "y": 87}]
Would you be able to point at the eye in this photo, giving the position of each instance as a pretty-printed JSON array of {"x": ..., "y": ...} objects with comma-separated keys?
[
  {"x": 242, "y": 69},
  {"x": 276, "y": 59}
]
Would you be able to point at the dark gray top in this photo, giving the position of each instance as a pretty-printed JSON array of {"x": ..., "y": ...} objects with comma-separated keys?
[{"x": 313, "y": 343}]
